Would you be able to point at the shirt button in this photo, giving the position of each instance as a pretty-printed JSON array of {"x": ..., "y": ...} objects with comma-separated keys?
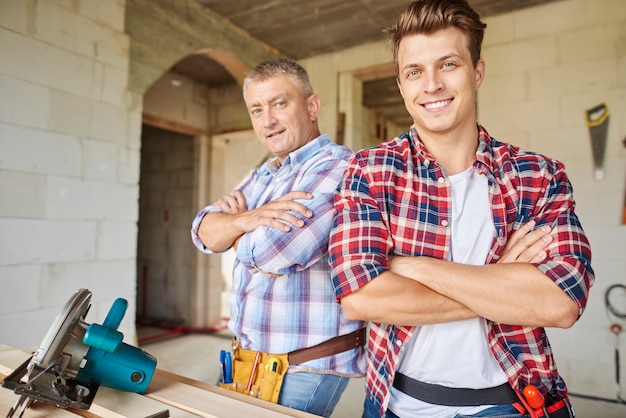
[
  {"x": 427, "y": 162},
  {"x": 444, "y": 223},
  {"x": 441, "y": 180},
  {"x": 399, "y": 343}
]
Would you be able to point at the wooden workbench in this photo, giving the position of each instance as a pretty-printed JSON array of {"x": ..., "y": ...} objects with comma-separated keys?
[{"x": 169, "y": 394}]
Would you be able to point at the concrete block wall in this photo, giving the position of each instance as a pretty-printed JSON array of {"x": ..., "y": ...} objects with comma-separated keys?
[
  {"x": 178, "y": 99},
  {"x": 228, "y": 111},
  {"x": 195, "y": 105},
  {"x": 165, "y": 251},
  {"x": 69, "y": 163},
  {"x": 330, "y": 73},
  {"x": 545, "y": 67},
  {"x": 235, "y": 155}
]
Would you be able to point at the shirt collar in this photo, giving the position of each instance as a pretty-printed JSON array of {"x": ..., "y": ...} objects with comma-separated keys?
[
  {"x": 484, "y": 152},
  {"x": 295, "y": 158}
]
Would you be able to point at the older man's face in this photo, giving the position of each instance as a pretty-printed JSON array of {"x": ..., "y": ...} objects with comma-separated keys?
[{"x": 282, "y": 119}]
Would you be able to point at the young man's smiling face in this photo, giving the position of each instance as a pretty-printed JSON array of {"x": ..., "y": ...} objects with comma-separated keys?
[
  {"x": 438, "y": 82},
  {"x": 282, "y": 118}
]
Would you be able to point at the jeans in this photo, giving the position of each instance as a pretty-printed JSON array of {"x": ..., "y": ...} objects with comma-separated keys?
[
  {"x": 500, "y": 411},
  {"x": 370, "y": 410},
  {"x": 312, "y": 392}
]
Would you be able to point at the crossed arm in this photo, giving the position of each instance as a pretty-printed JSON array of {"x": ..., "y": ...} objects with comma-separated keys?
[
  {"x": 221, "y": 230},
  {"x": 512, "y": 291}
]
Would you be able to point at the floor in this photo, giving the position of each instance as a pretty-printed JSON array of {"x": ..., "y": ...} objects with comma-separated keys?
[{"x": 197, "y": 356}]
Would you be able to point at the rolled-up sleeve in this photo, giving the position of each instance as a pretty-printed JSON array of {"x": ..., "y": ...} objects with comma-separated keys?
[
  {"x": 359, "y": 240},
  {"x": 195, "y": 224},
  {"x": 569, "y": 259},
  {"x": 194, "y": 229}
]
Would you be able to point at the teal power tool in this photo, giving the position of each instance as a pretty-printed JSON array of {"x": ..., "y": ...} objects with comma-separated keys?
[{"x": 75, "y": 359}]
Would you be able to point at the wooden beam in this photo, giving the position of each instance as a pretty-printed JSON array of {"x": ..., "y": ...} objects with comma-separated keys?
[
  {"x": 169, "y": 125},
  {"x": 375, "y": 72}
]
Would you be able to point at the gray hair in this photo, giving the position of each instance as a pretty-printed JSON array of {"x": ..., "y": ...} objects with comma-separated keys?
[{"x": 280, "y": 66}]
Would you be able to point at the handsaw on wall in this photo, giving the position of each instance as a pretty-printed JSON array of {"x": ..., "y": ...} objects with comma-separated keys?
[{"x": 597, "y": 119}]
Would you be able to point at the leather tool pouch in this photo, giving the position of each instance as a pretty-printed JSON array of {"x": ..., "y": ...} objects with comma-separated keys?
[{"x": 267, "y": 378}]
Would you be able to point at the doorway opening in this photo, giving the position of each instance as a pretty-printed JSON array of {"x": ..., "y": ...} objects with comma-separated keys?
[{"x": 164, "y": 249}]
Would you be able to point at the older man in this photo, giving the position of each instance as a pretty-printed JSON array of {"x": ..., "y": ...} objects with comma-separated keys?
[{"x": 278, "y": 222}]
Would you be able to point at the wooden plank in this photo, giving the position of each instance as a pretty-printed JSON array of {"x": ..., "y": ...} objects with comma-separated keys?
[
  {"x": 183, "y": 397},
  {"x": 204, "y": 398},
  {"x": 8, "y": 399},
  {"x": 201, "y": 402},
  {"x": 126, "y": 405},
  {"x": 11, "y": 359},
  {"x": 108, "y": 402}
]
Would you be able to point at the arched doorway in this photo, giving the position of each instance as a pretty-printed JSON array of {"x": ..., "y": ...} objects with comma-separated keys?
[{"x": 179, "y": 289}]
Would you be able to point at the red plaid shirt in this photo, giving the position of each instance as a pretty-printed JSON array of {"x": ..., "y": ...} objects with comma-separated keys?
[{"x": 393, "y": 201}]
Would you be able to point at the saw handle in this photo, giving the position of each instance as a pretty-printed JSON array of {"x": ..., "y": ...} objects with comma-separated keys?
[
  {"x": 99, "y": 336},
  {"x": 106, "y": 336},
  {"x": 597, "y": 115},
  {"x": 116, "y": 314}
]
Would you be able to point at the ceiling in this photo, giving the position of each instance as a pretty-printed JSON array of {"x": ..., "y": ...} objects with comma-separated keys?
[{"x": 305, "y": 28}]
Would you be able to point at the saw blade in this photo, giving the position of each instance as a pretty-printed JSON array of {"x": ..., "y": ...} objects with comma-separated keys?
[{"x": 66, "y": 326}]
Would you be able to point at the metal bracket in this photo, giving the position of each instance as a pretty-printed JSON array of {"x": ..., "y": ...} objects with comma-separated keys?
[{"x": 50, "y": 385}]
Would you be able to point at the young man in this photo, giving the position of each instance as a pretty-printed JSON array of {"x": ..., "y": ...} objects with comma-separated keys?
[
  {"x": 430, "y": 243},
  {"x": 278, "y": 222}
]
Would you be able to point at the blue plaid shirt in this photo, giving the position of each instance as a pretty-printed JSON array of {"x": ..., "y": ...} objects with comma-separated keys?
[{"x": 298, "y": 308}]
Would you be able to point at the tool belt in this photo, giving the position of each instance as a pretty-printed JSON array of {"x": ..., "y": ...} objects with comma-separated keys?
[
  {"x": 559, "y": 409},
  {"x": 261, "y": 374},
  {"x": 499, "y": 395}
]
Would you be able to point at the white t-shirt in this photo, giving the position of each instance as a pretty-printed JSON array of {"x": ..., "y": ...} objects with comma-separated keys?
[{"x": 455, "y": 354}]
